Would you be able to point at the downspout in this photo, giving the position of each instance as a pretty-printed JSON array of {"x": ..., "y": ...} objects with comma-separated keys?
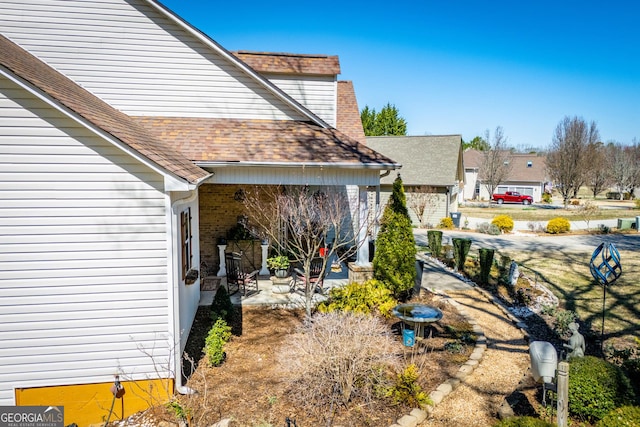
[
  {"x": 175, "y": 294},
  {"x": 376, "y": 217},
  {"x": 448, "y": 201}
]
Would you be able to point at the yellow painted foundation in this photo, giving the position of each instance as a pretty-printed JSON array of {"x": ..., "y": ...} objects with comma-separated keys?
[{"x": 90, "y": 403}]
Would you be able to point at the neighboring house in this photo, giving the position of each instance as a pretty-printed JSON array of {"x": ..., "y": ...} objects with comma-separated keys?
[
  {"x": 125, "y": 134},
  {"x": 432, "y": 171},
  {"x": 528, "y": 176}
]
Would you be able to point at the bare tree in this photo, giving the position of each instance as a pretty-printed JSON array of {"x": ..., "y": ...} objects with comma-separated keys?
[
  {"x": 598, "y": 170},
  {"x": 567, "y": 159},
  {"x": 423, "y": 201},
  {"x": 587, "y": 212},
  {"x": 622, "y": 168},
  {"x": 496, "y": 163},
  {"x": 634, "y": 152},
  {"x": 299, "y": 221}
]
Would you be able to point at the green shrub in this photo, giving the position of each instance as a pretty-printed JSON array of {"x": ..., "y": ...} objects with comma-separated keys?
[
  {"x": 460, "y": 251},
  {"x": 434, "y": 237},
  {"x": 486, "y": 261},
  {"x": 446, "y": 223},
  {"x": 221, "y": 307},
  {"x": 406, "y": 389},
  {"x": 362, "y": 298},
  {"x": 596, "y": 387},
  {"x": 179, "y": 411},
  {"x": 558, "y": 225},
  {"x": 504, "y": 223},
  {"x": 632, "y": 368},
  {"x": 523, "y": 422},
  {"x": 563, "y": 318},
  {"x": 486, "y": 228},
  {"x": 625, "y": 416},
  {"x": 546, "y": 198},
  {"x": 219, "y": 335},
  {"x": 394, "y": 260}
]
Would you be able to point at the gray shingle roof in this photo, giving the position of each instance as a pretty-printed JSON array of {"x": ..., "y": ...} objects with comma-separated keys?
[{"x": 434, "y": 160}]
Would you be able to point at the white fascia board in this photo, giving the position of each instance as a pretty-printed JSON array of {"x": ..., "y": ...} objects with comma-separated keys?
[
  {"x": 380, "y": 166},
  {"x": 172, "y": 182},
  {"x": 238, "y": 63}
]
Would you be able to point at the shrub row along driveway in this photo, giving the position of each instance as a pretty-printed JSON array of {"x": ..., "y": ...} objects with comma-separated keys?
[{"x": 523, "y": 242}]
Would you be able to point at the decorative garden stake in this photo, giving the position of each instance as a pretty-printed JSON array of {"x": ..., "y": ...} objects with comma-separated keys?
[{"x": 606, "y": 269}]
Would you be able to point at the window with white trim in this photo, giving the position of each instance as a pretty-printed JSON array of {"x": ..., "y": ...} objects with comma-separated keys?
[{"x": 186, "y": 241}]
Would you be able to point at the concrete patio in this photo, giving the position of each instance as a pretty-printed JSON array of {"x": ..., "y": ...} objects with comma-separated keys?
[{"x": 268, "y": 294}]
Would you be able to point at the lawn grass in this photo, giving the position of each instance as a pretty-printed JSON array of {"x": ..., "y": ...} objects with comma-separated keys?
[
  {"x": 567, "y": 275},
  {"x": 533, "y": 213}
]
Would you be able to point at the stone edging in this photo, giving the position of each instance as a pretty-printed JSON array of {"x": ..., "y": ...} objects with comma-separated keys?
[{"x": 417, "y": 415}]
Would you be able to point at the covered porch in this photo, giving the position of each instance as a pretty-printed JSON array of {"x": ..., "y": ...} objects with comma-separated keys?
[{"x": 267, "y": 293}]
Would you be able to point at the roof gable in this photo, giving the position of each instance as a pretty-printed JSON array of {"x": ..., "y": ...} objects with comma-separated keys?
[
  {"x": 426, "y": 160},
  {"x": 143, "y": 59},
  {"x": 290, "y": 63},
  {"x": 71, "y": 98}
]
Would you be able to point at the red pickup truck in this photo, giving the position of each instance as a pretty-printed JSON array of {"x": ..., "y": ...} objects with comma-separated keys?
[{"x": 512, "y": 197}]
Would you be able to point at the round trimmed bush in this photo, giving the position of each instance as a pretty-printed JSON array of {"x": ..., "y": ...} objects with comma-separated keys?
[
  {"x": 625, "y": 416},
  {"x": 596, "y": 387},
  {"x": 558, "y": 225},
  {"x": 446, "y": 223},
  {"x": 503, "y": 222},
  {"x": 523, "y": 422}
]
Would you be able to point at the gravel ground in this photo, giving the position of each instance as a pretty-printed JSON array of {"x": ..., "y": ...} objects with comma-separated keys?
[{"x": 477, "y": 400}]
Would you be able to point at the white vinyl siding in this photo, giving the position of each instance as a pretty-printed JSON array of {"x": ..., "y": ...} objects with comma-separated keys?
[
  {"x": 294, "y": 176},
  {"x": 318, "y": 94},
  {"x": 83, "y": 253},
  {"x": 432, "y": 215},
  {"x": 137, "y": 60}
]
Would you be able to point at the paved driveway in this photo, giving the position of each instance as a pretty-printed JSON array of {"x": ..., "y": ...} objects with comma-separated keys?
[{"x": 529, "y": 242}]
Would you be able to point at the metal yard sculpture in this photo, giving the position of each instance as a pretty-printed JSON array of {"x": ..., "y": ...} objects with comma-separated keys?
[{"x": 606, "y": 269}]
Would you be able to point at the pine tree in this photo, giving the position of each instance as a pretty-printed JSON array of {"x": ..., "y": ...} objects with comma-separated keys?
[
  {"x": 394, "y": 262},
  {"x": 386, "y": 122}
]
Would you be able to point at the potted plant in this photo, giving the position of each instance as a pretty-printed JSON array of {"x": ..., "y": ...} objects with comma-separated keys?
[{"x": 279, "y": 264}]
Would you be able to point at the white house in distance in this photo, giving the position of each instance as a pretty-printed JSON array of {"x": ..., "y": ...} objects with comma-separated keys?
[
  {"x": 528, "y": 176},
  {"x": 122, "y": 130}
]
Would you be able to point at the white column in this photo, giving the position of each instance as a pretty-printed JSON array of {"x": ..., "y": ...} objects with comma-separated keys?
[
  {"x": 363, "y": 238},
  {"x": 223, "y": 262},
  {"x": 264, "y": 271}
]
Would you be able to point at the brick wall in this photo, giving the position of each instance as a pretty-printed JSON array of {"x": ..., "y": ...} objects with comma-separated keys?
[{"x": 219, "y": 212}]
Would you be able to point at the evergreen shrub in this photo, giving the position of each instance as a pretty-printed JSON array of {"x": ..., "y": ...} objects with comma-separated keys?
[
  {"x": 363, "y": 298},
  {"x": 221, "y": 307},
  {"x": 434, "y": 237},
  {"x": 394, "y": 261},
  {"x": 486, "y": 261},
  {"x": 596, "y": 387},
  {"x": 460, "y": 251},
  {"x": 523, "y": 422},
  {"x": 406, "y": 389},
  {"x": 625, "y": 416},
  {"x": 219, "y": 335}
]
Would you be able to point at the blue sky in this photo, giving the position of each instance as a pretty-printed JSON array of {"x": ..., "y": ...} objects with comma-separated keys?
[{"x": 459, "y": 67}]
